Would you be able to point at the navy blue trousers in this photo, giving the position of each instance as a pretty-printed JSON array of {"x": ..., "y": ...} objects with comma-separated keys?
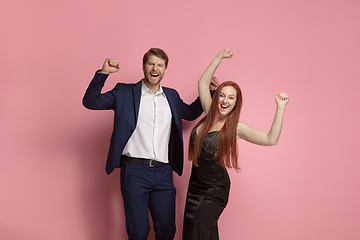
[{"x": 147, "y": 189}]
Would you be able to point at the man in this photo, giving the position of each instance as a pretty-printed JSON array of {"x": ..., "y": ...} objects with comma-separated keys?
[{"x": 146, "y": 142}]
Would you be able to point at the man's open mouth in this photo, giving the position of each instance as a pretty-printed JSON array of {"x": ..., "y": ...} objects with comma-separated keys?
[{"x": 154, "y": 75}]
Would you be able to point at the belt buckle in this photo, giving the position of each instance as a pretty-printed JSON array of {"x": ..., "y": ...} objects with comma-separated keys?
[{"x": 151, "y": 163}]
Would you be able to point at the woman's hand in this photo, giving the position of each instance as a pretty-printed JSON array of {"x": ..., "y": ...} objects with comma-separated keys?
[
  {"x": 227, "y": 53},
  {"x": 281, "y": 99}
]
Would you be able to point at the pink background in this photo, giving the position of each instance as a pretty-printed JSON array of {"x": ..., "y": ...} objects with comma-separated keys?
[{"x": 52, "y": 150}]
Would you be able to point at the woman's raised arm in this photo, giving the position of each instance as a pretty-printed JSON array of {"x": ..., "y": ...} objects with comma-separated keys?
[
  {"x": 207, "y": 77},
  {"x": 258, "y": 137}
]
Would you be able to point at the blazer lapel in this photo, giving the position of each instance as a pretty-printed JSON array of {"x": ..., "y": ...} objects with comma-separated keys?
[
  {"x": 137, "y": 97},
  {"x": 172, "y": 104}
]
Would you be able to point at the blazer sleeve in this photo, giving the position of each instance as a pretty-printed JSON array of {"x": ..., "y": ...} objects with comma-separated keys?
[
  {"x": 93, "y": 99},
  {"x": 192, "y": 111}
]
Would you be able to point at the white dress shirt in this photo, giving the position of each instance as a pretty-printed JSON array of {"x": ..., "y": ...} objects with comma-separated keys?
[{"x": 150, "y": 138}]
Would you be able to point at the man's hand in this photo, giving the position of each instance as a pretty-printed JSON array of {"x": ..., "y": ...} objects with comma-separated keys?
[
  {"x": 214, "y": 84},
  {"x": 110, "y": 66}
]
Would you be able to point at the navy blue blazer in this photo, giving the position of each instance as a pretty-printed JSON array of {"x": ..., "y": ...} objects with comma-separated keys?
[{"x": 124, "y": 99}]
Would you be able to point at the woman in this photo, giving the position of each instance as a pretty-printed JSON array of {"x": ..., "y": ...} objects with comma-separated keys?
[{"x": 213, "y": 147}]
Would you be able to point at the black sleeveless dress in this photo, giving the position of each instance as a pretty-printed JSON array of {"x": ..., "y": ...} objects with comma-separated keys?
[{"x": 208, "y": 193}]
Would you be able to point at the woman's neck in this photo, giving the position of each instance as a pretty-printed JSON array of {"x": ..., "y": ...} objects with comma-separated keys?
[{"x": 218, "y": 124}]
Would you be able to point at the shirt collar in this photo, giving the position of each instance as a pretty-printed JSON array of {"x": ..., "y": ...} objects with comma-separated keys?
[{"x": 145, "y": 89}]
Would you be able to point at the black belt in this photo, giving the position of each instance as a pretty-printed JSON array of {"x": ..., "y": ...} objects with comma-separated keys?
[{"x": 149, "y": 162}]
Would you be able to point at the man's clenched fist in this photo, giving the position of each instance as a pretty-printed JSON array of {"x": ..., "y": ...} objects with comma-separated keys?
[{"x": 110, "y": 66}]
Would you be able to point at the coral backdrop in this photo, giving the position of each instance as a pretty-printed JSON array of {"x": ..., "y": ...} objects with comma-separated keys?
[{"x": 53, "y": 151}]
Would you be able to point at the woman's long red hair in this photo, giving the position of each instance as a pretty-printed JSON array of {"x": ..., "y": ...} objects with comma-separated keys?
[{"x": 227, "y": 149}]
